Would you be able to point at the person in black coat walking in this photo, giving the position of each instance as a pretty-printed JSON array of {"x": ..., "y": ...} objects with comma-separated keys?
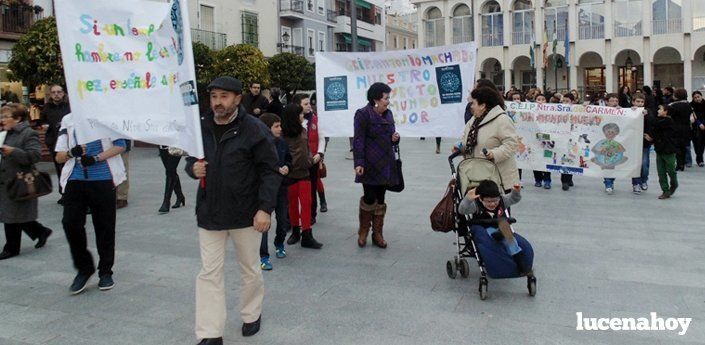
[
  {"x": 664, "y": 136},
  {"x": 681, "y": 117},
  {"x": 51, "y": 116},
  {"x": 698, "y": 105}
]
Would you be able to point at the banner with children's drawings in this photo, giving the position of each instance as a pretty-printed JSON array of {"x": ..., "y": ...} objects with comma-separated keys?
[
  {"x": 429, "y": 88},
  {"x": 130, "y": 72},
  {"x": 577, "y": 139}
]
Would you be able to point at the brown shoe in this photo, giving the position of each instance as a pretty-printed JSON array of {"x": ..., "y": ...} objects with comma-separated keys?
[
  {"x": 378, "y": 226},
  {"x": 121, "y": 204},
  {"x": 366, "y": 216},
  {"x": 665, "y": 195}
]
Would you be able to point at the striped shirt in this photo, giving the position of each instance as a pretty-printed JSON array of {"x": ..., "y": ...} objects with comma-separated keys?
[{"x": 98, "y": 171}]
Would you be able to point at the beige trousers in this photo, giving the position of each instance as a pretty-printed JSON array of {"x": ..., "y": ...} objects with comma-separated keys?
[
  {"x": 210, "y": 284},
  {"x": 124, "y": 187}
]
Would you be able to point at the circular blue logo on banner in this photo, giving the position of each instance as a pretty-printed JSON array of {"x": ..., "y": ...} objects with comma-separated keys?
[
  {"x": 450, "y": 82},
  {"x": 336, "y": 91},
  {"x": 178, "y": 24}
]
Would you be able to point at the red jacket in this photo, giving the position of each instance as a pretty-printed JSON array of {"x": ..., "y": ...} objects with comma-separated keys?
[{"x": 314, "y": 141}]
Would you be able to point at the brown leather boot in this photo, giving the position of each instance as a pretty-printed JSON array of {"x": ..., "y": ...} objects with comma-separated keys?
[
  {"x": 366, "y": 215},
  {"x": 378, "y": 226}
]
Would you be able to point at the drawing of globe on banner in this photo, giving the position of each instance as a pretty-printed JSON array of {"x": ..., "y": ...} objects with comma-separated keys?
[
  {"x": 450, "y": 84},
  {"x": 336, "y": 93}
]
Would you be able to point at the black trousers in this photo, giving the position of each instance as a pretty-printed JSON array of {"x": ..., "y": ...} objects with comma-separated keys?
[
  {"x": 540, "y": 176},
  {"x": 680, "y": 157},
  {"x": 173, "y": 183},
  {"x": 313, "y": 176},
  {"x": 13, "y": 234},
  {"x": 100, "y": 196},
  {"x": 566, "y": 178},
  {"x": 699, "y": 141},
  {"x": 58, "y": 167},
  {"x": 373, "y": 194},
  {"x": 283, "y": 224}
]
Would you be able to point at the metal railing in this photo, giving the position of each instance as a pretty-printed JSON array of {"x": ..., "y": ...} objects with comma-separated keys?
[
  {"x": 492, "y": 39},
  {"x": 18, "y": 18},
  {"x": 627, "y": 29},
  {"x": 560, "y": 33},
  {"x": 698, "y": 82},
  {"x": 591, "y": 32},
  {"x": 298, "y": 50},
  {"x": 667, "y": 26},
  {"x": 521, "y": 37},
  {"x": 699, "y": 24},
  {"x": 214, "y": 40},
  {"x": 331, "y": 15},
  {"x": 292, "y": 5},
  {"x": 461, "y": 38}
]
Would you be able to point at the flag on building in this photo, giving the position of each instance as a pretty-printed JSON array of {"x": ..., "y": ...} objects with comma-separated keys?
[
  {"x": 555, "y": 44},
  {"x": 531, "y": 51},
  {"x": 545, "y": 49},
  {"x": 566, "y": 44}
]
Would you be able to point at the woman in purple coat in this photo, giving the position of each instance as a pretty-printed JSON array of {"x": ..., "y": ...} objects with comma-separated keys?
[{"x": 375, "y": 163}]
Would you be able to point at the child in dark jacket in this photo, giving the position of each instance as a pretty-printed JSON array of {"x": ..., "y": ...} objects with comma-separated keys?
[
  {"x": 664, "y": 137},
  {"x": 282, "y": 209}
]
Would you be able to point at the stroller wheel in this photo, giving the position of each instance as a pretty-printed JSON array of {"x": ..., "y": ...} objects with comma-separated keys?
[
  {"x": 531, "y": 285},
  {"x": 451, "y": 269},
  {"x": 464, "y": 268},
  {"x": 483, "y": 288}
]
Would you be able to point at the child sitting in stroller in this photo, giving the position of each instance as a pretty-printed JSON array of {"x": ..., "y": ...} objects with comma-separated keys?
[{"x": 486, "y": 202}]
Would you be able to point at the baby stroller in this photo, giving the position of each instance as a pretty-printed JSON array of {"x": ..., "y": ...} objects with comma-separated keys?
[{"x": 472, "y": 240}]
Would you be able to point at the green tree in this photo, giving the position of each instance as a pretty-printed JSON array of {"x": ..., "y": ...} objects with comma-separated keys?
[
  {"x": 242, "y": 61},
  {"x": 36, "y": 57},
  {"x": 291, "y": 73},
  {"x": 203, "y": 58}
]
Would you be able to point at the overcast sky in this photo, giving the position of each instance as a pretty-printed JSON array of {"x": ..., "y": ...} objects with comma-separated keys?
[{"x": 399, "y": 6}]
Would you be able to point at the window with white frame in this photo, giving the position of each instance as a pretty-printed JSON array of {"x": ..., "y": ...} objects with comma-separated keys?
[
  {"x": 591, "y": 19},
  {"x": 321, "y": 41},
  {"x": 311, "y": 42},
  {"x": 434, "y": 28},
  {"x": 492, "y": 24},
  {"x": 627, "y": 18},
  {"x": 462, "y": 24},
  {"x": 250, "y": 33},
  {"x": 321, "y": 7},
  {"x": 556, "y": 19},
  {"x": 667, "y": 16},
  {"x": 699, "y": 18},
  {"x": 522, "y": 22}
]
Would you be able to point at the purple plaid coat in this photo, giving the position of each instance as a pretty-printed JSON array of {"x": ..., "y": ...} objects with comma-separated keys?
[{"x": 372, "y": 147}]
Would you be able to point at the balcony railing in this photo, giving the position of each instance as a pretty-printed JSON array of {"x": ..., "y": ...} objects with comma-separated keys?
[
  {"x": 667, "y": 26},
  {"x": 292, "y": 5},
  {"x": 214, "y": 40},
  {"x": 592, "y": 32},
  {"x": 560, "y": 33},
  {"x": 521, "y": 37},
  {"x": 331, "y": 15},
  {"x": 292, "y": 49},
  {"x": 462, "y": 39},
  {"x": 492, "y": 39},
  {"x": 698, "y": 82},
  {"x": 627, "y": 29},
  {"x": 699, "y": 24},
  {"x": 18, "y": 18}
]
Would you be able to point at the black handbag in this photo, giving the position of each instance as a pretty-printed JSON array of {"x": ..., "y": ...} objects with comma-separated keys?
[
  {"x": 29, "y": 184},
  {"x": 399, "y": 186}
]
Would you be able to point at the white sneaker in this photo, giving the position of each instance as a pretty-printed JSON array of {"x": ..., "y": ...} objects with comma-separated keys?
[
  {"x": 609, "y": 190},
  {"x": 636, "y": 189},
  {"x": 644, "y": 186}
]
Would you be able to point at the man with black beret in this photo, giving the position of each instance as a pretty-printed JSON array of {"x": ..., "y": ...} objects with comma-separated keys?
[{"x": 236, "y": 196}]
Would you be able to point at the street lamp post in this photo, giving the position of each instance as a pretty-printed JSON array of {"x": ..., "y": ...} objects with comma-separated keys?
[{"x": 285, "y": 42}]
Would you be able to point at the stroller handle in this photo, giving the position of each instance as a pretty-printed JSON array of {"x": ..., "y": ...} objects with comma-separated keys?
[
  {"x": 511, "y": 220},
  {"x": 451, "y": 158}
]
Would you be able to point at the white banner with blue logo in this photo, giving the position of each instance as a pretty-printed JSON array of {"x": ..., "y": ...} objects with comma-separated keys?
[
  {"x": 430, "y": 87},
  {"x": 130, "y": 72}
]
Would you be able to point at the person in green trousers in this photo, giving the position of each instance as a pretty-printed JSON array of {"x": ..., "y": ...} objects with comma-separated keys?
[{"x": 663, "y": 135}]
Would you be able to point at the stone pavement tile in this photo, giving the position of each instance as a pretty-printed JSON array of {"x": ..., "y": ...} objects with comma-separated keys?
[{"x": 6, "y": 341}]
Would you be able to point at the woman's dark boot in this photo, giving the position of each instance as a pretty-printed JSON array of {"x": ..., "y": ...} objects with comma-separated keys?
[
  {"x": 366, "y": 215},
  {"x": 165, "y": 206},
  {"x": 307, "y": 240},
  {"x": 378, "y": 226},
  {"x": 180, "y": 198},
  {"x": 168, "y": 188},
  {"x": 324, "y": 204},
  {"x": 295, "y": 235}
]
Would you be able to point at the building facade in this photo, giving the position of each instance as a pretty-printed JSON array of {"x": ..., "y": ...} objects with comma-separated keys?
[
  {"x": 402, "y": 31},
  {"x": 370, "y": 25},
  {"x": 220, "y": 23},
  {"x": 306, "y": 26},
  {"x": 611, "y": 42}
]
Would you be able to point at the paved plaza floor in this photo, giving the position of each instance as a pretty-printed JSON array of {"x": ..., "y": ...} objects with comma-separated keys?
[{"x": 605, "y": 256}]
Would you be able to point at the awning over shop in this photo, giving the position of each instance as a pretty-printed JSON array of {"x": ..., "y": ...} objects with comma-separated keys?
[
  {"x": 361, "y": 41},
  {"x": 363, "y": 4}
]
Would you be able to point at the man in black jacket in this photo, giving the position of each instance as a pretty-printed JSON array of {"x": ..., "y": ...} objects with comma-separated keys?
[
  {"x": 255, "y": 104},
  {"x": 237, "y": 194},
  {"x": 51, "y": 115}
]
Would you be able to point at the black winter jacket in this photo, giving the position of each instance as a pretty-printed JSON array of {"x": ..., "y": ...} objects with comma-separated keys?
[
  {"x": 664, "y": 134},
  {"x": 52, "y": 114},
  {"x": 681, "y": 119},
  {"x": 242, "y": 175}
]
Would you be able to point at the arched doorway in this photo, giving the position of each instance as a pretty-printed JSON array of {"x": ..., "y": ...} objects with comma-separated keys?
[
  {"x": 630, "y": 69},
  {"x": 523, "y": 76},
  {"x": 492, "y": 70},
  {"x": 591, "y": 74},
  {"x": 668, "y": 68},
  {"x": 699, "y": 69}
]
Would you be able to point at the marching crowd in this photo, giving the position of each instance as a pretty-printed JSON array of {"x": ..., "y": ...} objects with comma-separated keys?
[{"x": 262, "y": 156}]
